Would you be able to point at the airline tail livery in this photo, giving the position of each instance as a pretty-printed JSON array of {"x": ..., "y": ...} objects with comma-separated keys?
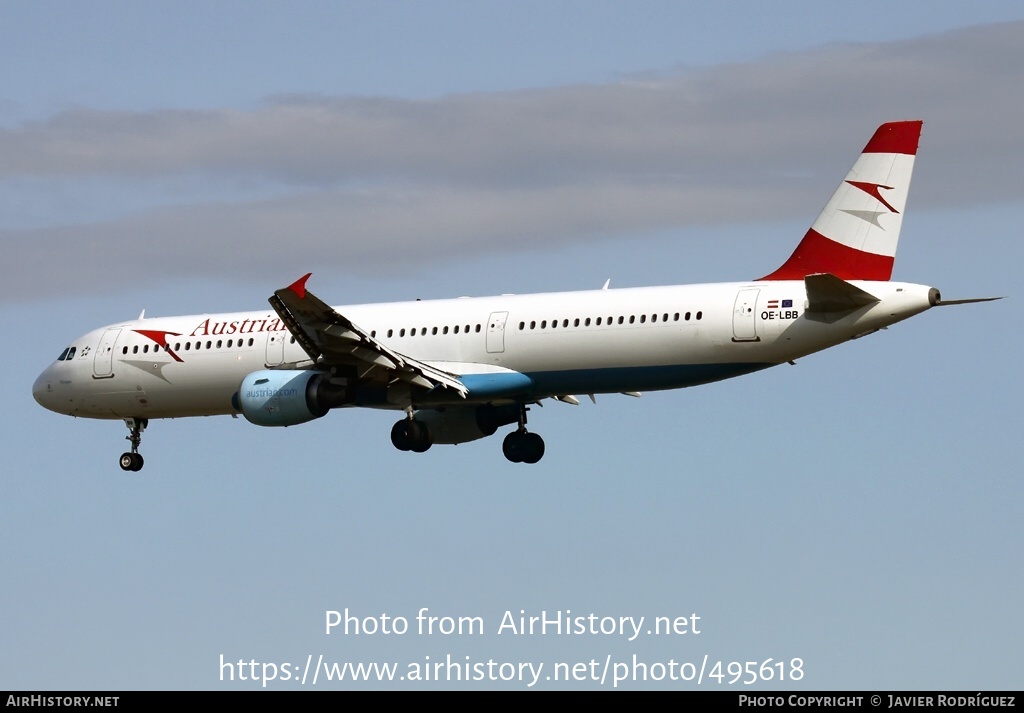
[{"x": 460, "y": 369}]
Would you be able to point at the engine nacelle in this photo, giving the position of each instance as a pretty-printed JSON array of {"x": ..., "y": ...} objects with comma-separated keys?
[
  {"x": 461, "y": 424},
  {"x": 287, "y": 398}
]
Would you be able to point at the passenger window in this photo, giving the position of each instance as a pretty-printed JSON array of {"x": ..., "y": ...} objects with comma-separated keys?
[
  {"x": 478, "y": 329},
  {"x": 699, "y": 315}
]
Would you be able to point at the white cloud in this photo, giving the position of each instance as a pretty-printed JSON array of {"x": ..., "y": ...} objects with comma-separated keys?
[{"x": 364, "y": 182}]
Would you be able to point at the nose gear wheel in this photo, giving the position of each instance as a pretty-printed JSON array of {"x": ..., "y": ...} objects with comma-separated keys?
[{"x": 132, "y": 460}]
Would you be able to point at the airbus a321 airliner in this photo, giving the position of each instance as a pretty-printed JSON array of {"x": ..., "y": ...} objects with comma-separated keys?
[{"x": 462, "y": 368}]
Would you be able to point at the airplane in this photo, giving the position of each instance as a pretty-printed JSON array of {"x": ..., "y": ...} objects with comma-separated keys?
[{"x": 462, "y": 368}]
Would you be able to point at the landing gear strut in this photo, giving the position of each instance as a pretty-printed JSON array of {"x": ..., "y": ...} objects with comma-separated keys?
[
  {"x": 521, "y": 446},
  {"x": 133, "y": 459}
]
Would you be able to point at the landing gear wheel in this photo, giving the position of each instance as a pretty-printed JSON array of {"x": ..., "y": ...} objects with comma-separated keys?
[
  {"x": 534, "y": 448},
  {"x": 131, "y": 461},
  {"x": 420, "y": 441},
  {"x": 512, "y": 447},
  {"x": 411, "y": 435},
  {"x": 400, "y": 435},
  {"x": 523, "y": 447}
]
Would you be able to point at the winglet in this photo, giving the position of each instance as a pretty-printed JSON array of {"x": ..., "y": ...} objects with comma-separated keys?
[{"x": 299, "y": 286}]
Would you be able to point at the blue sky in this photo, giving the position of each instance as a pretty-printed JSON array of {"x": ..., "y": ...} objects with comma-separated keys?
[{"x": 859, "y": 511}]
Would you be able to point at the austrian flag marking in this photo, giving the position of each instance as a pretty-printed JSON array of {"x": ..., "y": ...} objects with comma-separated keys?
[{"x": 776, "y": 304}]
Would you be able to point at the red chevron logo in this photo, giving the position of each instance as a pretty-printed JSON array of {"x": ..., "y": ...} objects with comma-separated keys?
[{"x": 872, "y": 190}]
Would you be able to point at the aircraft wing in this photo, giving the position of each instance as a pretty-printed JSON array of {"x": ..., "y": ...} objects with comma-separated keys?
[{"x": 332, "y": 339}]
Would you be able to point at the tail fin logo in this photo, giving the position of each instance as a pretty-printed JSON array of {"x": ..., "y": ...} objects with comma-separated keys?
[
  {"x": 872, "y": 190},
  {"x": 870, "y": 216}
]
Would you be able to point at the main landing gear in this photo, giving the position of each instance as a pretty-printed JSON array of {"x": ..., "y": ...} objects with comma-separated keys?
[
  {"x": 133, "y": 459},
  {"x": 521, "y": 446},
  {"x": 411, "y": 435}
]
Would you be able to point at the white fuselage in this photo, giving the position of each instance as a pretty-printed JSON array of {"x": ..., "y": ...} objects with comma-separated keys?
[{"x": 599, "y": 341}]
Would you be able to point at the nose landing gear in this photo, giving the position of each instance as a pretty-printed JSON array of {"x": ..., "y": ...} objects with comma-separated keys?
[{"x": 133, "y": 461}]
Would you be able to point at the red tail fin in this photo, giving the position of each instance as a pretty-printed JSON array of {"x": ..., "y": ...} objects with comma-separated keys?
[{"x": 855, "y": 236}]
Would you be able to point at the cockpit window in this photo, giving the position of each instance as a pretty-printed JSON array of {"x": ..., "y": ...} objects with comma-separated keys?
[
  {"x": 71, "y": 354},
  {"x": 64, "y": 354}
]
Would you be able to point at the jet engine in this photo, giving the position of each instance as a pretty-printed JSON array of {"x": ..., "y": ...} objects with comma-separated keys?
[{"x": 288, "y": 398}]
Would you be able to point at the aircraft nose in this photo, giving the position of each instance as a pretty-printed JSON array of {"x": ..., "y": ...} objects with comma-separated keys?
[{"x": 43, "y": 389}]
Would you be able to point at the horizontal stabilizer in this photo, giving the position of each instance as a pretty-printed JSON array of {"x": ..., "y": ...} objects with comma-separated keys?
[{"x": 827, "y": 293}]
